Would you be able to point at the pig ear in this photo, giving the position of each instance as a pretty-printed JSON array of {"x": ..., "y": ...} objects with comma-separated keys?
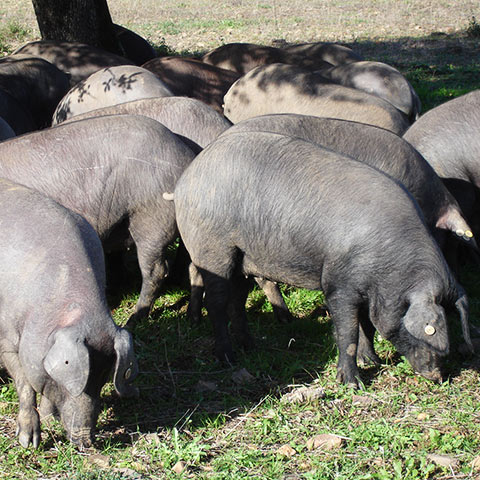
[
  {"x": 68, "y": 362},
  {"x": 427, "y": 322},
  {"x": 126, "y": 367}
]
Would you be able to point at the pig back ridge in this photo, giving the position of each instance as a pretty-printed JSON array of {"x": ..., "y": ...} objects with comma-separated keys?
[
  {"x": 100, "y": 167},
  {"x": 290, "y": 195}
]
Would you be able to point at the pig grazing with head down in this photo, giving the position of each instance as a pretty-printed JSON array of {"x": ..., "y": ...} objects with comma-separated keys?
[
  {"x": 57, "y": 336},
  {"x": 271, "y": 206}
]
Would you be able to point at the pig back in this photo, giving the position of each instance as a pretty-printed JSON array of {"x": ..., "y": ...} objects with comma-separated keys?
[{"x": 277, "y": 198}]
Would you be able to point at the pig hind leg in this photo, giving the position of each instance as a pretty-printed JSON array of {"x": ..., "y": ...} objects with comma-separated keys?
[
  {"x": 223, "y": 296},
  {"x": 366, "y": 352},
  {"x": 28, "y": 421},
  {"x": 151, "y": 254}
]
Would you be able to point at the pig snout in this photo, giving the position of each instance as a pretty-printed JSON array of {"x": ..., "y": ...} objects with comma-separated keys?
[
  {"x": 79, "y": 417},
  {"x": 426, "y": 363},
  {"x": 82, "y": 437}
]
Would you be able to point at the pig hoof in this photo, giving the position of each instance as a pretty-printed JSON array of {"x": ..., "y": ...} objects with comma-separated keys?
[
  {"x": 282, "y": 316},
  {"x": 226, "y": 356},
  {"x": 367, "y": 359},
  {"x": 352, "y": 381},
  {"x": 194, "y": 316},
  {"x": 25, "y": 438},
  {"x": 248, "y": 343}
]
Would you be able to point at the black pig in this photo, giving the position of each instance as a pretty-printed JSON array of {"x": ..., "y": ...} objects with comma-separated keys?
[{"x": 288, "y": 210}]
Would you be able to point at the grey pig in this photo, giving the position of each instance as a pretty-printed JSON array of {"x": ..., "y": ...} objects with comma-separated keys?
[
  {"x": 57, "y": 337},
  {"x": 112, "y": 170}
]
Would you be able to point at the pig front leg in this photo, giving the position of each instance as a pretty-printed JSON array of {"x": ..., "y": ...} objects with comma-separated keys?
[
  {"x": 345, "y": 320},
  {"x": 366, "y": 352},
  {"x": 28, "y": 420},
  {"x": 274, "y": 296}
]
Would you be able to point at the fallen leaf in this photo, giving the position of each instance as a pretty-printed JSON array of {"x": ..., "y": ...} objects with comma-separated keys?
[
  {"x": 242, "y": 376},
  {"x": 286, "y": 451},
  {"x": 303, "y": 395},
  {"x": 442, "y": 460},
  {"x": 325, "y": 441},
  {"x": 204, "y": 386},
  {"x": 362, "y": 400},
  {"x": 179, "y": 467},
  {"x": 99, "y": 460},
  {"x": 153, "y": 438},
  {"x": 476, "y": 463},
  {"x": 423, "y": 416}
]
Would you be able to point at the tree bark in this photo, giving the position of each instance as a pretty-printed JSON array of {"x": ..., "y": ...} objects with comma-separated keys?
[{"x": 83, "y": 21}]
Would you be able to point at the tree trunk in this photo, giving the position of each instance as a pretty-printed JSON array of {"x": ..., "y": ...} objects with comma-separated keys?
[{"x": 84, "y": 21}]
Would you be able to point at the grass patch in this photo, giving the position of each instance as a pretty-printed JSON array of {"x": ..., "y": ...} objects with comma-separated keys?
[{"x": 10, "y": 34}]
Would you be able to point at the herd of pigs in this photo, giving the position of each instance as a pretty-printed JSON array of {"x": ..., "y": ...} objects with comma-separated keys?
[{"x": 304, "y": 165}]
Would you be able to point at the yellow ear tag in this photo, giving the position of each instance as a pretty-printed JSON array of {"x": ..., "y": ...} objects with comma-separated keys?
[
  {"x": 429, "y": 330},
  {"x": 468, "y": 234}
]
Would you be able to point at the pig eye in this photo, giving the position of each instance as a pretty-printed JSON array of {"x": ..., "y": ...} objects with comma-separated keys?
[{"x": 66, "y": 362}]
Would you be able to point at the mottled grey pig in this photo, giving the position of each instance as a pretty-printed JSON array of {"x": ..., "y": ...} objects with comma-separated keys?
[
  {"x": 243, "y": 57},
  {"x": 310, "y": 218},
  {"x": 18, "y": 117},
  {"x": 109, "y": 86},
  {"x": 77, "y": 59},
  {"x": 279, "y": 88},
  {"x": 187, "y": 117},
  {"x": 378, "y": 79},
  {"x": 332, "y": 53},
  {"x": 57, "y": 336},
  {"x": 113, "y": 171},
  {"x": 192, "y": 78}
]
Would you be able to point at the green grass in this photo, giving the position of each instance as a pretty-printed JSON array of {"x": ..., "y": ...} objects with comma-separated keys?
[{"x": 12, "y": 33}]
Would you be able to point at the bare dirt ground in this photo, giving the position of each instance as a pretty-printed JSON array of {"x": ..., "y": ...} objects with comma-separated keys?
[{"x": 426, "y": 28}]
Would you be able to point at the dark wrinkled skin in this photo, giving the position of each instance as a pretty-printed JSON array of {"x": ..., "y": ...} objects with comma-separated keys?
[
  {"x": 77, "y": 59},
  {"x": 243, "y": 57},
  {"x": 109, "y": 86},
  {"x": 447, "y": 136},
  {"x": 192, "y": 78},
  {"x": 113, "y": 171},
  {"x": 52, "y": 284},
  {"x": 377, "y": 265},
  {"x": 35, "y": 83},
  {"x": 378, "y": 79},
  {"x": 189, "y": 118},
  {"x": 279, "y": 88}
]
